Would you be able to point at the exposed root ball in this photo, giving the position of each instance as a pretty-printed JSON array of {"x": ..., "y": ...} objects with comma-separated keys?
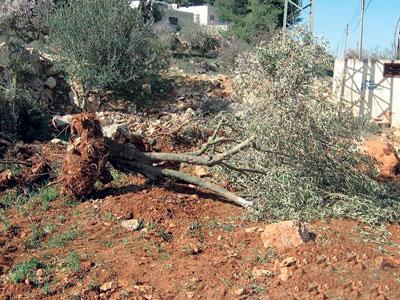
[
  {"x": 7, "y": 180},
  {"x": 39, "y": 171},
  {"x": 86, "y": 157}
]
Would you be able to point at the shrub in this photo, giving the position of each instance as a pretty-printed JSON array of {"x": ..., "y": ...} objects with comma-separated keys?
[
  {"x": 105, "y": 44},
  {"x": 24, "y": 17},
  {"x": 197, "y": 38},
  {"x": 306, "y": 147},
  {"x": 230, "y": 49}
]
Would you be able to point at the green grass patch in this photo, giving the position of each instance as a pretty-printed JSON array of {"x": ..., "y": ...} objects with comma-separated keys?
[
  {"x": 59, "y": 240},
  {"x": 35, "y": 239},
  {"x": 26, "y": 270},
  {"x": 5, "y": 221},
  {"x": 73, "y": 262},
  {"x": 46, "y": 196}
]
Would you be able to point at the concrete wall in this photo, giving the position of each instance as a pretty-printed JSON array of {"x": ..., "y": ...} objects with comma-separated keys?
[
  {"x": 362, "y": 86},
  {"x": 181, "y": 16},
  {"x": 202, "y": 14}
]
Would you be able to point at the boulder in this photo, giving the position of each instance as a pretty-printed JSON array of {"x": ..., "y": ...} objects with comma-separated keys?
[
  {"x": 117, "y": 132},
  {"x": 285, "y": 235},
  {"x": 132, "y": 225},
  {"x": 50, "y": 83}
]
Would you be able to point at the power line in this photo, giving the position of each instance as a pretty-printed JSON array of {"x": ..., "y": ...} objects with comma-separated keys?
[{"x": 369, "y": 3}]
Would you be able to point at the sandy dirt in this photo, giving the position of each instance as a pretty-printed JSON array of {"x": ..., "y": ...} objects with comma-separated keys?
[{"x": 190, "y": 246}]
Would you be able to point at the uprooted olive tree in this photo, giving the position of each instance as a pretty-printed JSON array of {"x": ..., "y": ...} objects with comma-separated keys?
[
  {"x": 290, "y": 153},
  {"x": 89, "y": 152}
]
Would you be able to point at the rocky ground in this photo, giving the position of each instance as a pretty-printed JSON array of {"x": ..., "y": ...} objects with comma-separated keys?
[{"x": 136, "y": 240}]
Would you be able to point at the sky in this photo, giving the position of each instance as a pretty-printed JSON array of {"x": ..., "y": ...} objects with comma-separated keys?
[{"x": 331, "y": 17}]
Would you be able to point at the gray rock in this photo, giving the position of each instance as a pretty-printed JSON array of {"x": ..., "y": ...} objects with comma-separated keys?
[
  {"x": 50, "y": 83},
  {"x": 132, "y": 225},
  {"x": 117, "y": 132}
]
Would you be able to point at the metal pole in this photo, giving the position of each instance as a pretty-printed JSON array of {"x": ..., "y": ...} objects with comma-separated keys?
[
  {"x": 397, "y": 40},
  {"x": 312, "y": 16},
  {"x": 362, "y": 28},
  {"x": 285, "y": 14}
]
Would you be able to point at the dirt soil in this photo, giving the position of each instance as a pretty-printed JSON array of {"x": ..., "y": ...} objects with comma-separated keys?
[
  {"x": 189, "y": 247},
  {"x": 186, "y": 245}
]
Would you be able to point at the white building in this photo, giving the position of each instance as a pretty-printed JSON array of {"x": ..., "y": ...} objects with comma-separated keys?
[
  {"x": 370, "y": 88},
  {"x": 176, "y": 15}
]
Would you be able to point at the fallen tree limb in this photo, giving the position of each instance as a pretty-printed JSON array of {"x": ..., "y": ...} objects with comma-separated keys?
[
  {"x": 158, "y": 173},
  {"x": 128, "y": 151}
]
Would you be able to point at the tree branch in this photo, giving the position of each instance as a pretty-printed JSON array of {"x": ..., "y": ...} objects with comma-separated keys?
[
  {"x": 154, "y": 173},
  {"x": 198, "y": 160}
]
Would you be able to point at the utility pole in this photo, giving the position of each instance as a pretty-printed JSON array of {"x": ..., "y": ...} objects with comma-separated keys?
[
  {"x": 296, "y": 9},
  {"x": 362, "y": 28},
  {"x": 312, "y": 16},
  {"x": 397, "y": 40},
  {"x": 347, "y": 39},
  {"x": 285, "y": 14}
]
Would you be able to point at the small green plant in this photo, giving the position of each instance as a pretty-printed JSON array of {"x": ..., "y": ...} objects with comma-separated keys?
[
  {"x": 151, "y": 225},
  {"x": 117, "y": 175},
  {"x": 165, "y": 235},
  {"x": 195, "y": 226},
  {"x": 227, "y": 227},
  {"x": 69, "y": 202},
  {"x": 46, "y": 288},
  {"x": 8, "y": 200},
  {"x": 266, "y": 256},
  {"x": 187, "y": 250},
  {"x": 26, "y": 270},
  {"x": 59, "y": 240},
  {"x": 107, "y": 243},
  {"x": 94, "y": 285},
  {"x": 35, "y": 239},
  {"x": 257, "y": 288},
  {"x": 110, "y": 217},
  {"x": 72, "y": 262},
  {"x": 5, "y": 221},
  {"x": 47, "y": 195},
  {"x": 125, "y": 242}
]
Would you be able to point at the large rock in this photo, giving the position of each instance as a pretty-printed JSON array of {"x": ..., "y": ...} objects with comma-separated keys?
[
  {"x": 118, "y": 132},
  {"x": 50, "y": 83},
  {"x": 284, "y": 235},
  {"x": 132, "y": 225}
]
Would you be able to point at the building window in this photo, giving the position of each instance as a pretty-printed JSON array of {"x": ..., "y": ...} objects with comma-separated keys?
[
  {"x": 173, "y": 20},
  {"x": 391, "y": 70}
]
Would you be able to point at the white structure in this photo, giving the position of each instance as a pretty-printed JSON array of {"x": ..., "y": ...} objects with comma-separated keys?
[
  {"x": 370, "y": 88},
  {"x": 204, "y": 14},
  {"x": 176, "y": 15}
]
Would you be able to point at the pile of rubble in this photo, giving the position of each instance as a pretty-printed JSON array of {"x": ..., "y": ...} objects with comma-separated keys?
[{"x": 195, "y": 96}]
